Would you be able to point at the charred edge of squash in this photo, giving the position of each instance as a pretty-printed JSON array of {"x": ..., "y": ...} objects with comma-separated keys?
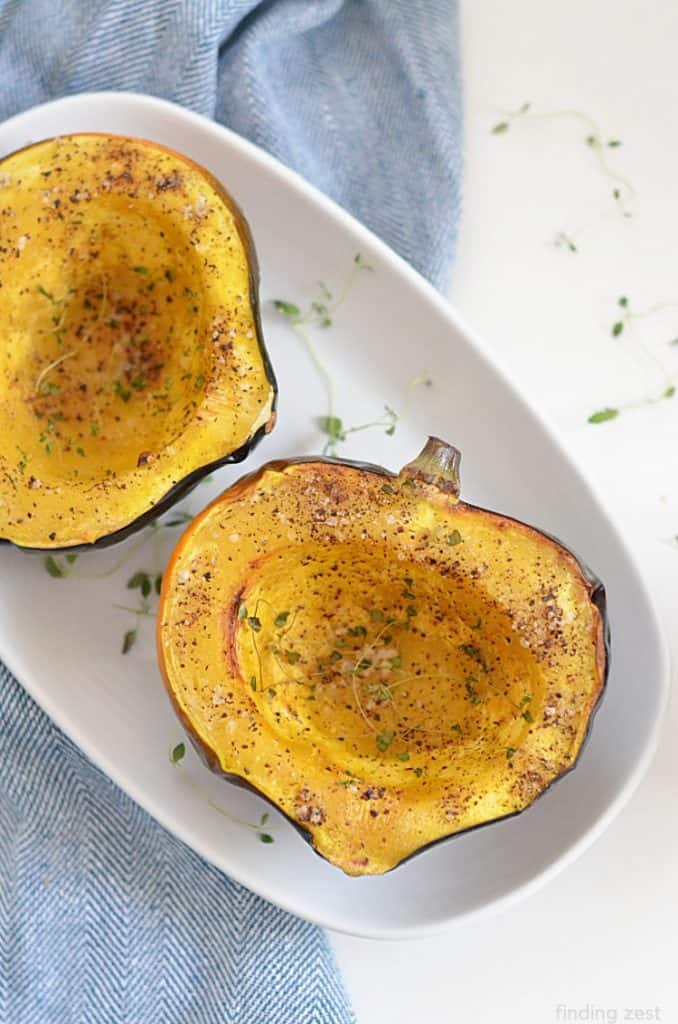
[
  {"x": 598, "y": 598},
  {"x": 185, "y": 486}
]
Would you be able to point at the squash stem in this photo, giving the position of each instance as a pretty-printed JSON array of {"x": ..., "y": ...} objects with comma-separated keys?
[{"x": 437, "y": 464}]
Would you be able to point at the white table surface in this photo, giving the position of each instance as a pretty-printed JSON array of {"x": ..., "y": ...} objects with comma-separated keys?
[{"x": 601, "y": 938}]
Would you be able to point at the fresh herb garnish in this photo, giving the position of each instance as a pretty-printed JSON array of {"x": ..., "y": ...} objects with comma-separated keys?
[
  {"x": 384, "y": 739},
  {"x": 334, "y": 428},
  {"x": 603, "y": 415},
  {"x": 178, "y": 753},
  {"x": 53, "y": 567},
  {"x": 179, "y": 519},
  {"x": 56, "y": 567},
  {"x": 176, "y": 757},
  {"x": 336, "y": 432},
  {"x": 142, "y": 581},
  {"x": 471, "y": 691},
  {"x": 503, "y": 126},
  {"x": 288, "y": 309},
  {"x": 129, "y": 640},
  {"x": 320, "y": 313},
  {"x": 593, "y": 139},
  {"x": 566, "y": 241}
]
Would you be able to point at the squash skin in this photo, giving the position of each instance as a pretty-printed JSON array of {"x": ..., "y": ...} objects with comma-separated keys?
[
  {"x": 180, "y": 178},
  {"x": 348, "y": 852}
]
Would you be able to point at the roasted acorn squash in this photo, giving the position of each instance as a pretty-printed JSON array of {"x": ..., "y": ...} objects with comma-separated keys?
[
  {"x": 131, "y": 360},
  {"x": 384, "y": 663}
]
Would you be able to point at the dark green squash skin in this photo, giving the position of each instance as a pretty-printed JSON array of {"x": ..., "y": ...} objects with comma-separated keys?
[
  {"x": 210, "y": 758},
  {"x": 185, "y": 486}
]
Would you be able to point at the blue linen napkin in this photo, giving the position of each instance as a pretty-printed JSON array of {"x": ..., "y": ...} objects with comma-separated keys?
[{"x": 104, "y": 916}]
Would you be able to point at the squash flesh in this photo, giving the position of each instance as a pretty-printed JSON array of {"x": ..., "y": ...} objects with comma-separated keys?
[
  {"x": 378, "y": 737},
  {"x": 130, "y": 354}
]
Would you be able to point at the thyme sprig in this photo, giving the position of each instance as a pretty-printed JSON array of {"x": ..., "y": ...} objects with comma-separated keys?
[
  {"x": 336, "y": 432},
  {"x": 60, "y": 306},
  {"x": 41, "y": 378},
  {"x": 321, "y": 310},
  {"x": 612, "y": 412},
  {"x": 320, "y": 313},
  {"x": 624, "y": 320},
  {"x": 176, "y": 757},
  {"x": 595, "y": 140}
]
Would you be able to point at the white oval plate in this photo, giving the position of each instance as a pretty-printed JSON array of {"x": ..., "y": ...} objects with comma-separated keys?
[{"x": 62, "y": 637}]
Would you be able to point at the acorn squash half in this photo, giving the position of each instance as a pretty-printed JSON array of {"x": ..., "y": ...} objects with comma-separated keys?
[
  {"x": 131, "y": 358},
  {"x": 384, "y": 663}
]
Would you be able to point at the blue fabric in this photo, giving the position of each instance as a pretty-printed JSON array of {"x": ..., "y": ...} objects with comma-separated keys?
[{"x": 104, "y": 917}]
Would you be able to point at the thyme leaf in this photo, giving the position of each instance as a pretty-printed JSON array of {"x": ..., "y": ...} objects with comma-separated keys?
[{"x": 129, "y": 640}]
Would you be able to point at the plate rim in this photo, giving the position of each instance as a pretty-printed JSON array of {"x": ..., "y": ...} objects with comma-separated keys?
[{"x": 429, "y": 295}]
